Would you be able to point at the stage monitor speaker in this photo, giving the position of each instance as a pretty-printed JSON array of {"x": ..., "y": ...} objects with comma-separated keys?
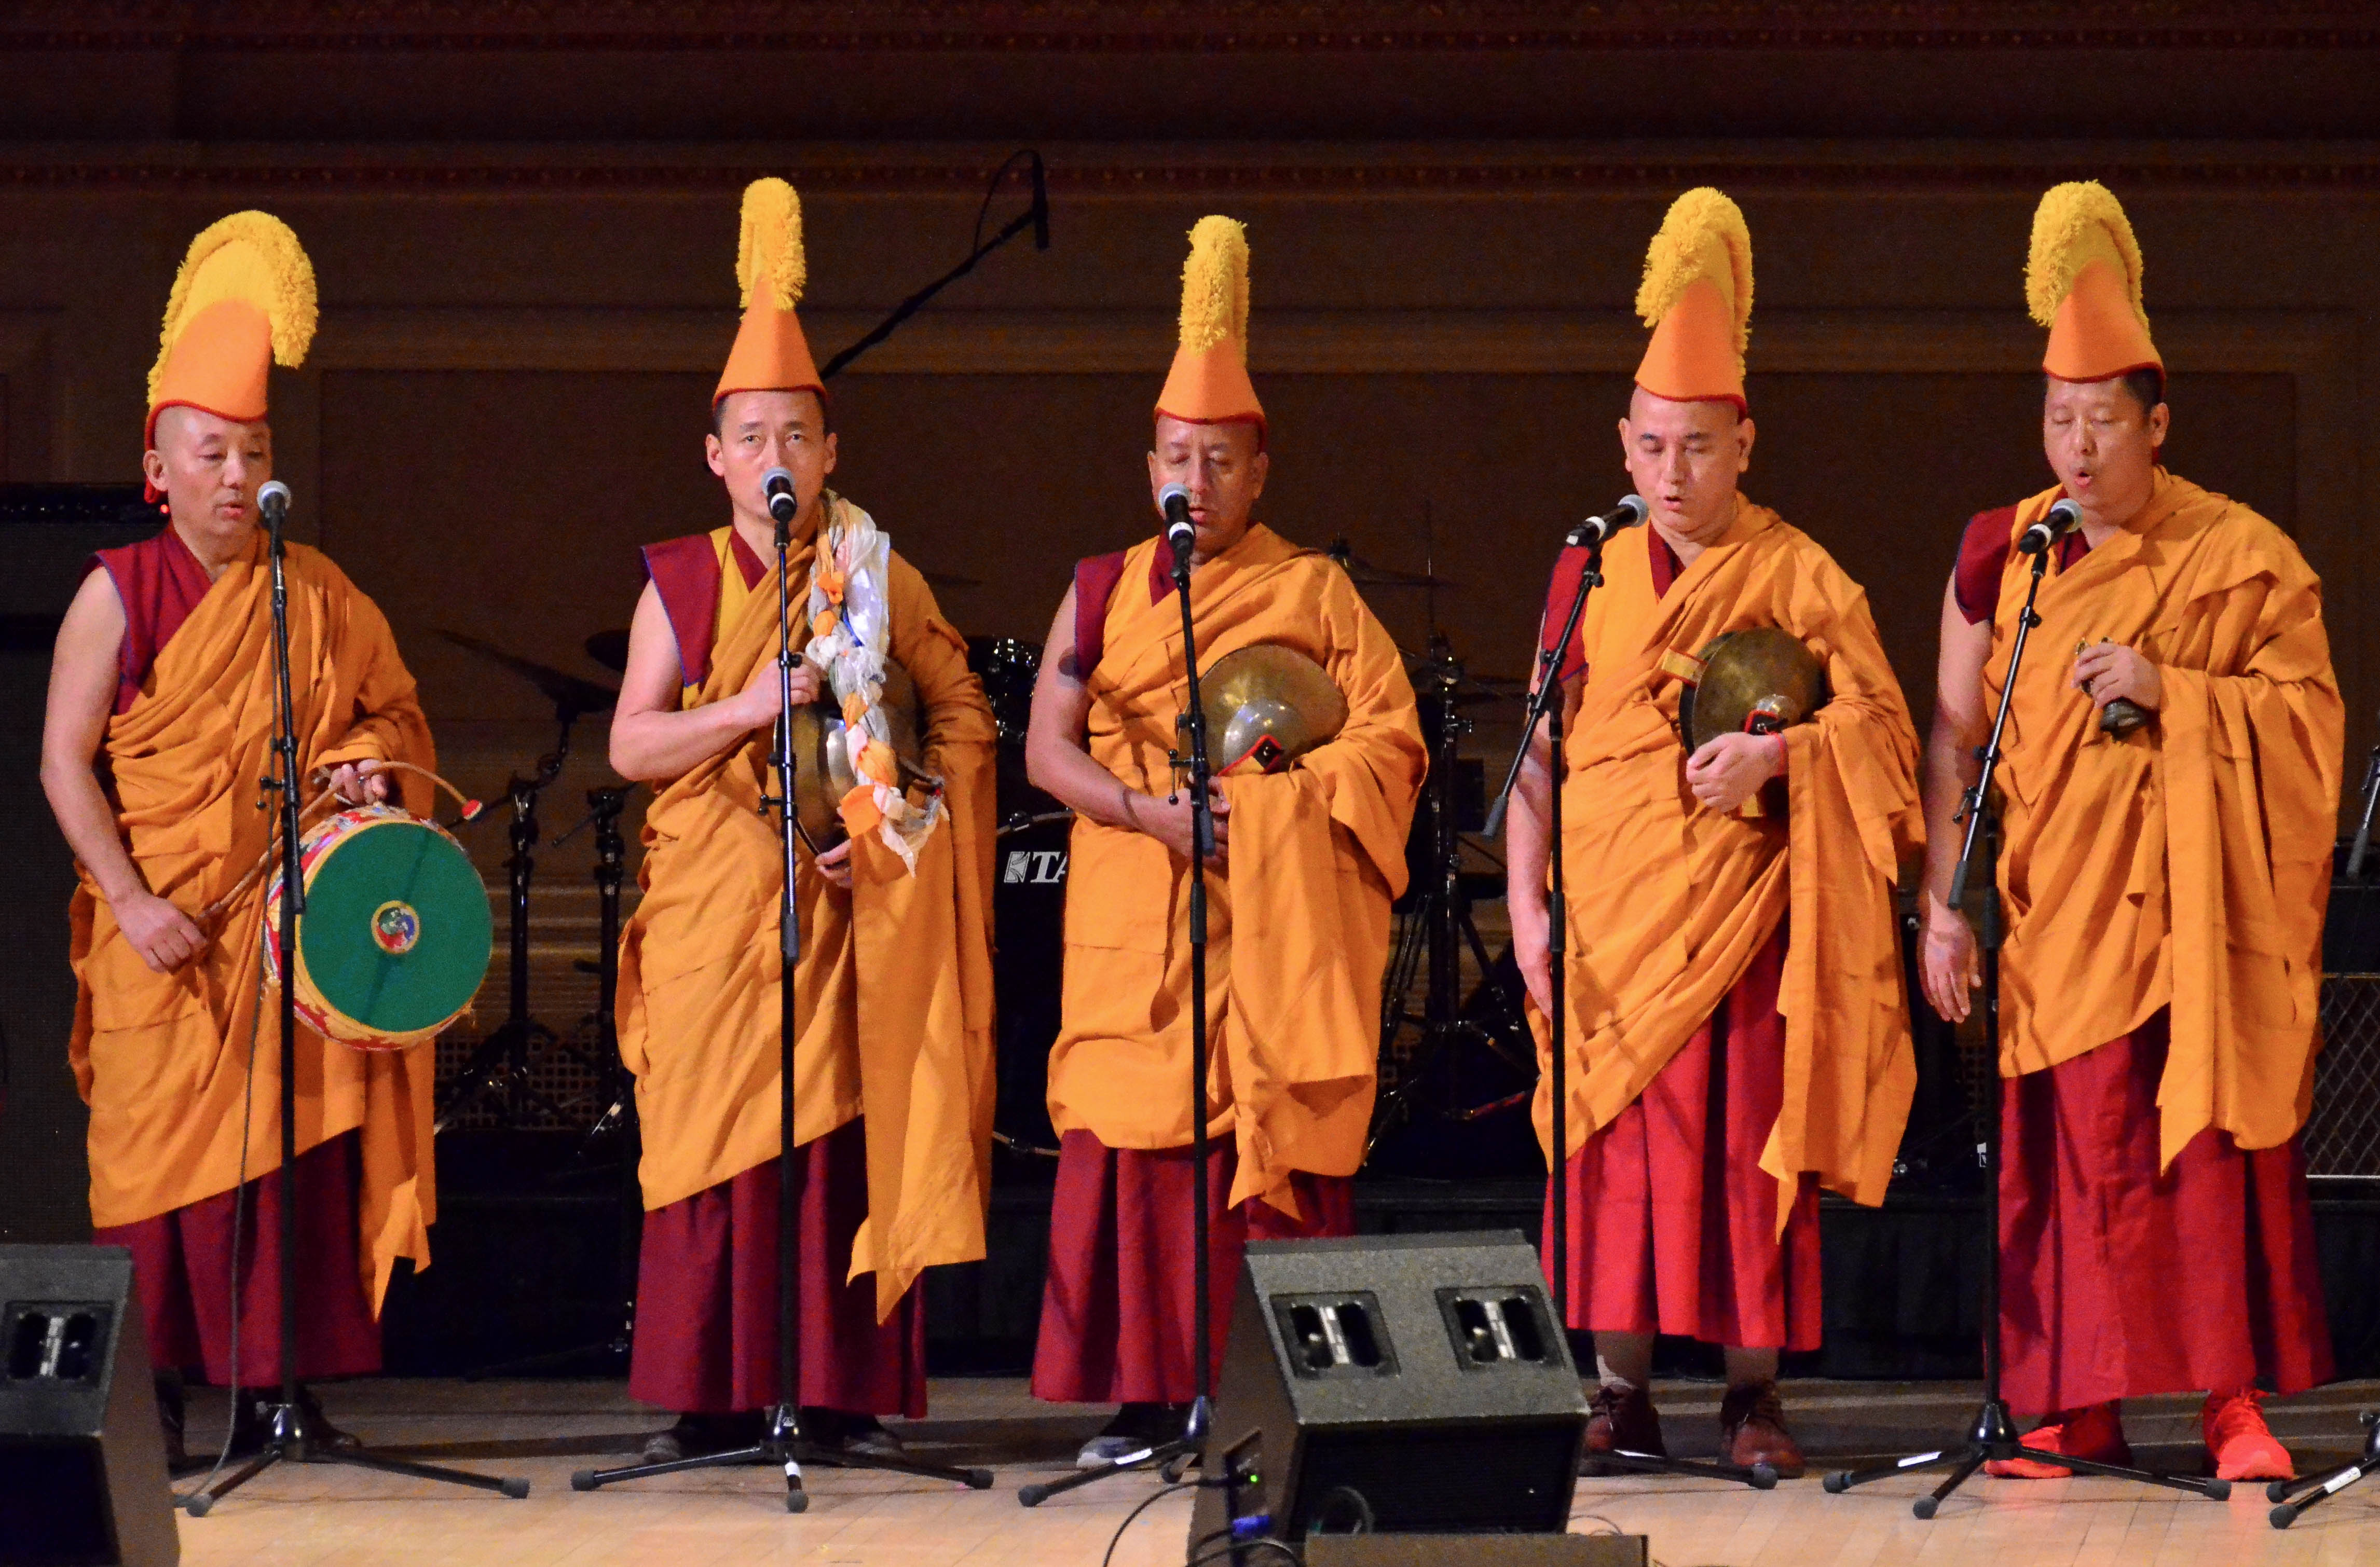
[
  {"x": 1473, "y": 1550},
  {"x": 1400, "y": 1384},
  {"x": 82, "y": 1461}
]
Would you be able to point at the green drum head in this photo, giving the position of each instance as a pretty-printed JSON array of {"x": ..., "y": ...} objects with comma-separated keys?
[{"x": 396, "y": 934}]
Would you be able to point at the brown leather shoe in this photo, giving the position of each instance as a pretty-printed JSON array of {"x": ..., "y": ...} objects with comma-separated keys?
[
  {"x": 1752, "y": 1430},
  {"x": 1621, "y": 1419}
]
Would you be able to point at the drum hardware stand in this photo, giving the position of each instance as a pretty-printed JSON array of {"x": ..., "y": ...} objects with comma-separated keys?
[
  {"x": 1173, "y": 1457},
  {"x": 2363, "y": 844},
  {"x": 1546, "y": 707},
  {"x": 618, "y": 1120},
  {"x": 1993, "y": 1436},
  {"x": 1440, "y": 926},
  {"x": 291, "y": 1435},
  {"x": 784, "y": 1445},
  {"x": 502, "y": 1059}
]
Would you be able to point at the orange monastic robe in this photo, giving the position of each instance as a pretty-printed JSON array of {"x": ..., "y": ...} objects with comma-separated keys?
[
  {"x": 2223, "y": 806},
  {"x": 1670, "y": 902},
  {"x": 894, "y": 980},
  {"x": 162, "y": 1059},
  {"x": 1300, "y": 919}
]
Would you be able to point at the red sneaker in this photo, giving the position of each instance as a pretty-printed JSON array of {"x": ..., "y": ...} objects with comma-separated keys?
[
  {"x": 2243, "y": 1446},
  {"x": 2095, "y": 1431}
]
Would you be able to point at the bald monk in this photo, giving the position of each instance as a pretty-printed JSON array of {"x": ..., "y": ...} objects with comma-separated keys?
[
  {"x": 892, "y": 1066},
  {"x": 2164, "y": 893},
  {"x": 1305, "y": 862},
  {"x": 1737, "y": 1033},
  {"x": 160, "y": 719}
]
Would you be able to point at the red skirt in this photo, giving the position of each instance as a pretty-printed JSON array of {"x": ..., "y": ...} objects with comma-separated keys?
[
  {"x": 707, "y": 1318},
  {"x": 1119, "y": 1312},
  {"x": 1672, "y": 1222},
  {"x": 183, "y": 1262},
  {"x": 2118, "y": 1279}
]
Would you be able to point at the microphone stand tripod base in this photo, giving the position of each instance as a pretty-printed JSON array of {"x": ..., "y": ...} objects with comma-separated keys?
[
  {"x": 1172, "y": 1459},
  {"x": 784, "y": 1448}
]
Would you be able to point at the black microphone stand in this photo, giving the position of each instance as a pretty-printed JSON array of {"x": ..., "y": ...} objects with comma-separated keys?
[
  {"x": 291, "y": 1435},
  {"x": 1546, "y": 707},
  {"x": 1993, "y": 1435},
  {"x": 1173, "y": 1457},
  {"x": 784, "y": 1445}
]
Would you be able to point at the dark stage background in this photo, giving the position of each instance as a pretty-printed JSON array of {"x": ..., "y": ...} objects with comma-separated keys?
[{"x": 522, "y": 216}]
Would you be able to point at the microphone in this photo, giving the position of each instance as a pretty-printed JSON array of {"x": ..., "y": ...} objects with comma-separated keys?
[
  {"x": 2061, "y": 519},
  {"x": 777, "y": 491},
  {"x": 274, "y": 502},
  {"x": 1179, "y": 532},
  {"x": 1596, "y": 532}
]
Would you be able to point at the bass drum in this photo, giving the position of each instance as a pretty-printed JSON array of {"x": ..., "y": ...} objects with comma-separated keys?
[
  {"x": 395, "y": 935},
  {"x": 1029, "y": 910}
]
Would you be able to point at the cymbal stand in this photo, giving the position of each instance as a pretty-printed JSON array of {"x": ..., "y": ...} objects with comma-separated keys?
[
  {"x": 617, "y": 1123},
  {"x": 290, "y": 1434},
  {"x": 784, "y": 1445},
  {"x": 1173, "y": 1457},
  {"x": 1439, "y": 925},
  {"x": 1546, "y": 707},
  {"x": 502, "y": 1059},
  {"x": 1992, "y": 1436}
]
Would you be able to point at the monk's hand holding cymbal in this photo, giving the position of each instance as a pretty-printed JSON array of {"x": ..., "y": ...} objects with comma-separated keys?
[
  {"x": 1728, "y": 768},
  {"x": 835, "y": 864},
  {"x": 359, "y": 783},
  {"x": 757, "y": 703},
  {"x": 164, "y": 936},
  {"x": 2106, "y": 671}
]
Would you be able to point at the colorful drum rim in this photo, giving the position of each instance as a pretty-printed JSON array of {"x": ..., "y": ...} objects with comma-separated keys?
[{"x": 395, "y": 925}]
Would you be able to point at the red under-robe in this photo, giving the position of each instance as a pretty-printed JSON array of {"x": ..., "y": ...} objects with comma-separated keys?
[
  {"x": 707, "y": 1314},
  {"x": 1117, "y": 1312},
  {"x": 2118, "y": 1279},
  {"x": 1673, "y": 1230},
  {"x": 183, "y": 1258}
]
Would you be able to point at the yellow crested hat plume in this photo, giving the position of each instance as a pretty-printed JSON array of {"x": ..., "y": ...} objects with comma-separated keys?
[
  {"x": 1697, "y": 298},
  {"x": 2083, "y": 281},
  {"x": 243, "y": 302},
  {"x": 1209, "y": 383},
  {"x": 771, "y": 354}
]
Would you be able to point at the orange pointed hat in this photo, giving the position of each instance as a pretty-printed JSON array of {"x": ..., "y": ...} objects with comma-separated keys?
[
  {"x": 2083, "y": 281},
  {"x": 771, "y": 354},
  {"x": 243, "y": 302},
  {"x": 1697, "y": 298},
  {"x": 1209, "y": 383}
]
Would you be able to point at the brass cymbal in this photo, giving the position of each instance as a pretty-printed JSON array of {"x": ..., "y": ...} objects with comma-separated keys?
[
  {"x": 570, "y": 694},
  {"x": 609, "y": 648},
  {"x": 1754, "y": 681},
  {"x": 822, "y": 774},
  {"x": 1364, "y": 574},
  {"x": 1269, "y": 693}
]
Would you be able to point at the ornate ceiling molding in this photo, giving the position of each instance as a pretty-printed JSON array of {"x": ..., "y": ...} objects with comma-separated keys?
[
  {"x": 1159, "y": 172},
  {"x": 1170, "y": 25}
]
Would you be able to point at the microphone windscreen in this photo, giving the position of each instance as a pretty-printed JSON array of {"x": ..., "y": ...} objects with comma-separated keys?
[{"x": 1631, "y": 511}]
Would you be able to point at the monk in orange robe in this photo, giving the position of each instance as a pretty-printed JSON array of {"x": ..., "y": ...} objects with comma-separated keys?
[
  {"x": 1737, "y": 1033},
  {"x": 1306, "y": 860},
  {"x": 893, "y": 1064},
  {"x": 164, "y": 669},
  {"x": 2164, "y": 891}
]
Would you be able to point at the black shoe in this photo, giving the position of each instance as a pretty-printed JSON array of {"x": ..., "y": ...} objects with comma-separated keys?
[
  {"x": 700, "y": 1436},
  {"x": 252, "y": 1426},
  {"x": 832, "y": 1431}
]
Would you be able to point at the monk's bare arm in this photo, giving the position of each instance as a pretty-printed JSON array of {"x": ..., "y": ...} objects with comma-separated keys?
[
  {"x": 1058, "y": 757},
  {"x": 651, "y": 739},
  {"x": 82, "y": 690},
  {"x": 1949, "y": 967},
  {"x": 1527, "y": 836}
]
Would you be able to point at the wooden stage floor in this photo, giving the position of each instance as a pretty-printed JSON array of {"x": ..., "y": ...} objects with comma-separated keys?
[{"x": 329, "y": 1514}]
